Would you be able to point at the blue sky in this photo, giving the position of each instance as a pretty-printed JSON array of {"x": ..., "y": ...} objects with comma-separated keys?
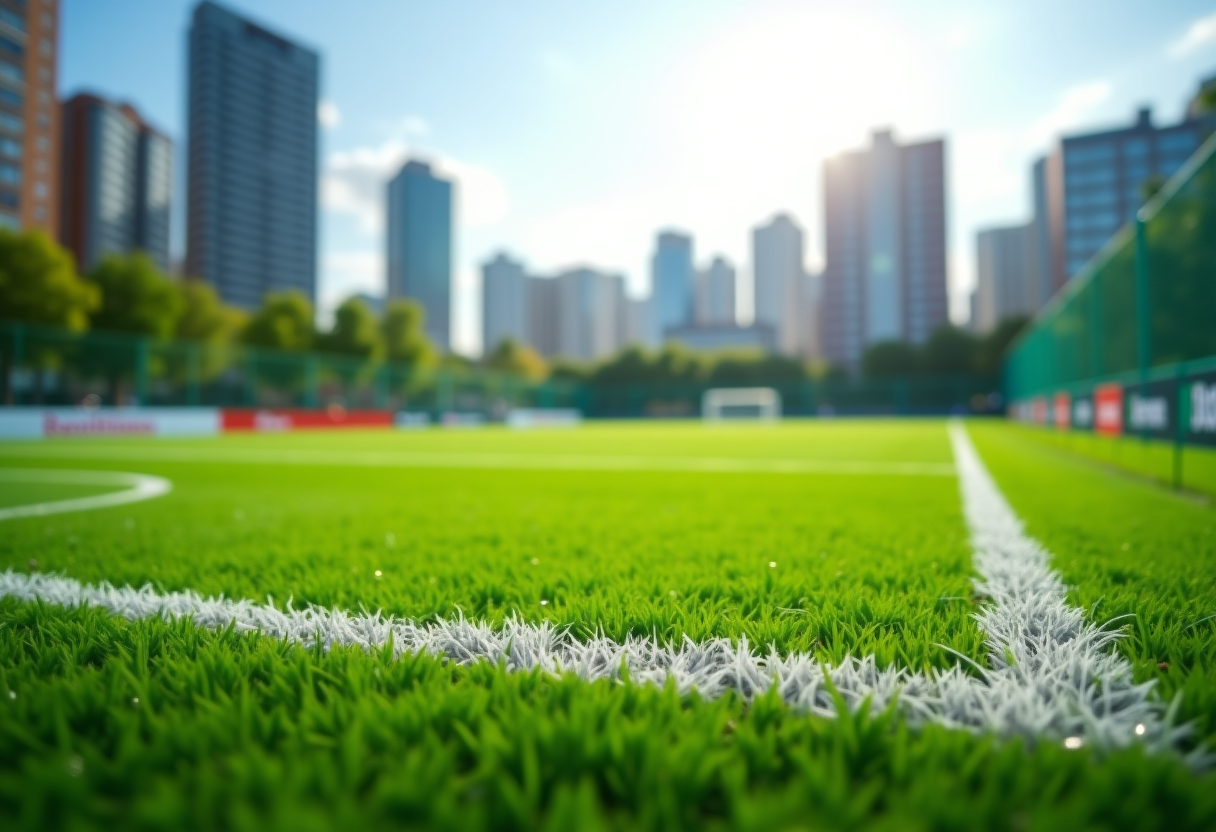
[{"x": 577, "y": 130}]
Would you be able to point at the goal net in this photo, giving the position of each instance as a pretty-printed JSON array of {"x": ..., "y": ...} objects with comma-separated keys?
[{"x": 756, "y": 403}]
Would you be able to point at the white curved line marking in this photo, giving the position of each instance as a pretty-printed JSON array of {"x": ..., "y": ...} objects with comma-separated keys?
[
  {"x": 139, "y": 487},
  {"x": 1051, "y": 674}
]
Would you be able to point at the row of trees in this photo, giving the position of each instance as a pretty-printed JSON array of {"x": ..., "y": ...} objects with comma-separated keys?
[
  {"x": 949, "y": 351},
  {"x": 39, "y": 284}
]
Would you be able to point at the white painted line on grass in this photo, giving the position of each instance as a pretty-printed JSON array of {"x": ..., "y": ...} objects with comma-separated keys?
[
  {"x": 1051, "y": 675},
  {"x": 507, "y": 461},
  {"x": 138, "y": 487}
]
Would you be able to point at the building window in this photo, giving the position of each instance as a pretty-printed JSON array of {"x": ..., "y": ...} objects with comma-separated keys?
[
  {"x": 10, "y": 199},
  {"x": 10, "y": 148},
  {"x": 11, "y": 123},
  {"x": 12, "y": 72},
  {"x": 46, "y": 47},
  {"x": 10, "y": 174},
  {"x": 11, "y": 97},
  {"x": 10, "y": 47},
  {"x": 12, "y": 19},
  {"x": 40, "y": 190}
]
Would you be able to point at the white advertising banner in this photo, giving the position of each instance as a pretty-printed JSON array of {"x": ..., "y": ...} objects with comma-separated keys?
[{"x": 51, "y": 422}]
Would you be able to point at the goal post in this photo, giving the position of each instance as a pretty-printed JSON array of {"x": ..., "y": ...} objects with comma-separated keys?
[{"x": 741, "y": 403}]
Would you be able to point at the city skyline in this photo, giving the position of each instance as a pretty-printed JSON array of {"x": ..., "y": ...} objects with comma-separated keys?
[{"x": 560, "y": 213}]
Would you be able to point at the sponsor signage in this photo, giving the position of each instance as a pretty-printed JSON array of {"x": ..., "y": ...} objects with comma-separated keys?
[
  {"x": 1199, "y": 409},
  {"x": 1083, "y": 412},
  {"x": 544, "y": 418},
  {"x": 57, "y": 422},
  {"x": 1149, "y": 409},
  {"x": 278, "y": 421},
  {"x": 1061, "y": 411},
  {"x": 1108, "y": 409}
]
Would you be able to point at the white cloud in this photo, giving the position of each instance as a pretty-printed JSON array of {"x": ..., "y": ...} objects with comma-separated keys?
[
  {"x": 1073, "y": 107},
  {"x": 354, "y": 182},
  {"x": 344, "y": 273},
  {"x": 1200, "y": 33},
  {"x": 328, "y": 114}
]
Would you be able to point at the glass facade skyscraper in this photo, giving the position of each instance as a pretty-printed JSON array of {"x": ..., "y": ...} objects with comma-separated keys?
[
  {"x": 117, "y": 183},
  {"x": 885, "y": 246},
  {"x": 252, "y": 168},
  {"x": 1105, "y": 176},
  {"x": 778, "y": 277},
  {"x": 671, "y": 280},
  {"x": 419, "y": 237}
]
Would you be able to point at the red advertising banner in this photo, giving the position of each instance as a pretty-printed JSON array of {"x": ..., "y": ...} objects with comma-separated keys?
[
  {"x": 1108, "y": 407},
  {"x": 1062, "y": 411},
  {"x": 279, "y": 421}
]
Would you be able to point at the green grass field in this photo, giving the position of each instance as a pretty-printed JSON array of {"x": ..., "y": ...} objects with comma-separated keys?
[{"x": 833, "y": 538}]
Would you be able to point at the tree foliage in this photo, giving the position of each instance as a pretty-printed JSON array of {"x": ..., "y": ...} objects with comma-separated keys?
[
  {"x": 135, "y": 296},
  {"x": 284, "y": 322},
  {"x": 510, "y": 356},
  {"x": 39, "y": 284},
  {"x": 203, "y": 316},
  {"x": 354, "y": 331},
  {"x": 950, "y": 351},
  {"x": 403, "y": 334}
]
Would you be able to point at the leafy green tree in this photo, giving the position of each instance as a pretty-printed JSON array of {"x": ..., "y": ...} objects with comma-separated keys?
[
  {"x": 285, "y": 322},
  {"x": 890, "y": 359},
  {"x": 510, "y": 356},
  {"x": 135, "y": 296},
  {"x": 354, "y": 331},
  {"x": 203, "y": 315},
  {"x": 39, "y": 284},
  {"x": 949, "y": 351},
  {"x": 743, "y": 369},
  {"x": 990, "y": 355},
  {"x": 404, "y": 337}
]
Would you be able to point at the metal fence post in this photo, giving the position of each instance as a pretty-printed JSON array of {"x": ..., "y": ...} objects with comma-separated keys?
[
  {"x": 141, "y": 372},
  {"x": 1143, "y": 333},
  {"x": 192, "y": 374},
  {"x": 1180, "y": 406}
]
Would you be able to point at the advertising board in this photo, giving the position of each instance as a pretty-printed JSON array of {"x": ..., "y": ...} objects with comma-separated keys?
[
  {"x": 1108, "y": 409},
  {"x": 1199, "y": 409},
  {"x": 53, "y": 422},
  {"x": 265, "y": 420},
  {"x": 1061, "y": 411},
  {"x": 1149, "y": 409}
]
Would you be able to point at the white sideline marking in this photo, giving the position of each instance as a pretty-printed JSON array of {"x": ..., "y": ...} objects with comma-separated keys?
[
  {"x": 1051, "y": 675},
  {"x": 139, "y": 487},
  {"x": 424, "y": 459}
]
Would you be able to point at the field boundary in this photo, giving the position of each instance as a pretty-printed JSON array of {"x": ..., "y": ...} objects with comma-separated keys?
[
  {"x": 504, "y": 461},
  {"x": 1051, "y": 674},
  {"x": 139, "y": 487}
]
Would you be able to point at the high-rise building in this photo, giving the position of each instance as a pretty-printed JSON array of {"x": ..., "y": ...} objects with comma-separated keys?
[
  {"x": 590, "y": 314},
  {"x": 251, "y": 218},
  {"x": 29, "y": 115},
  {"x": 715, "y": 301},
  {"x": 1005, "y": 275},
  {"x": 639, "y": 323},
  {"x": 778, "y": 278},
  {"x": 419, "y": 236},
  {"x": 505, "y": 294},
  {"x": 885, "y": 246},
  {"x": 671, "y": 281},
  {"x": 543, "y": 315},
  {"x": 117, "y": 183},
  {"x": 1108, "y": 175}
]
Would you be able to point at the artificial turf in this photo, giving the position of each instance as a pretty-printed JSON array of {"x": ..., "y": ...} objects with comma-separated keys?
[{"x": 240, "y": 731}]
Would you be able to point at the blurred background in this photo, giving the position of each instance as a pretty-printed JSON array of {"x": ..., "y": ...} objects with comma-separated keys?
[{"x": 612, "y": 206}]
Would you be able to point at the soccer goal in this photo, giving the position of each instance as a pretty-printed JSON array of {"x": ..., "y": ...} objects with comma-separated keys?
[{"x": 759, "y": 403}]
